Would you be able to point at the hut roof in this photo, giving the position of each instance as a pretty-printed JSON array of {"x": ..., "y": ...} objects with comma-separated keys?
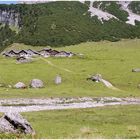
[
  {"x": 20, "y": 58},
  {"x": 33, "y": 51},
  {"x": 6, "y": 54},
  {"x": 23, "y": 51},
  {"x": 64, "y": 52},
  {"x": 13, "y": 51},
  {"x": 54, "y": 52},
  {"x": 46, "y": 50}
]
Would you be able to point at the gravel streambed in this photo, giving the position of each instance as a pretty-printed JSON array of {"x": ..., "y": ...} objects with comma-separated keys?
[{"x": 28, "y": 105}]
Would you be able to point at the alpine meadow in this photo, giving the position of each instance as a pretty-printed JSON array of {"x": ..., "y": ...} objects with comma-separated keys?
[{"x": 70, "y": 70}]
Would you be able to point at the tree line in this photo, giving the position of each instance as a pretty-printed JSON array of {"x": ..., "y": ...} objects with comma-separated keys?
[{"x": 66, "y": 23}]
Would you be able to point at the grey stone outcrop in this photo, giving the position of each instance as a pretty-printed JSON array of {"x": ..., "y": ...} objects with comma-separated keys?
[
  {"x": 136, "y": 70},
  {"x": 15, "y": 123},
  {"x": 58, "y": 80},
  {"x": 20, "y": 85},
  {"x": 96, "y": 78},
  {"x": 36, "y": 83}
]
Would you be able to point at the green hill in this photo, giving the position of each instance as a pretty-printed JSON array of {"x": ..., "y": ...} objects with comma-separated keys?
[
  {"x": 64, "y": 23},
  {"x": 67, "y": 23}
]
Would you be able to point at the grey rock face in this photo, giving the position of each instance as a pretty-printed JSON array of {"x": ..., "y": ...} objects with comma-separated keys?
[
  {"x": 136, "y": 70},
  {"x": 58, "y": 80},
  {"x": 96, "y": 78},
  {"x": 15, "y": 123},
  {"x": 6, "y": 127},
  {"x": 20, "y": 85},
  {"x": 10, "y": 17},
  {"x": 36, "y": 83}
]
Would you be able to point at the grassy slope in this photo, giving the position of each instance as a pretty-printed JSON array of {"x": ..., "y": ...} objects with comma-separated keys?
[
  {"x": 109, "y": 122},
  {"x": 103, "y": 122},
  {"x": 113, "y": 60}
]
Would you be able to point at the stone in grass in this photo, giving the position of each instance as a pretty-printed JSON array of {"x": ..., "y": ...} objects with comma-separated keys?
[
  {"x": 20, "y": 85},
  {"x": 13, "y": 122},
  {"x": 95, "y": 78},
  {"x": 36, "y": 83},
  {"x": 58, "y": 80},
  {"x": 136, "y": 70}
]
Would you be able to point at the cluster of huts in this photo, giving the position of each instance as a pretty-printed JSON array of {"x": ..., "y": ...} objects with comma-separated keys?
[{"x": 46, "y": 52}]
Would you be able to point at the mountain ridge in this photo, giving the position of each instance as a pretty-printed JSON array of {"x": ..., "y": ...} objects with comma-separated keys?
[{"x": 61, "y": 23}]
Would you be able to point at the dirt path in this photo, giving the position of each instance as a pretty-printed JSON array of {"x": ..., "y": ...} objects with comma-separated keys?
[
  {"x": 50, "y": 63},
  {"x": 109, "y": 85},
  {"x": 28, "y": 105},
  {"x": 106, "y": 83}
]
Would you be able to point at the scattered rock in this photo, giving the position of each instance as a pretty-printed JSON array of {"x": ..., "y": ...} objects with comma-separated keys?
[
  {"x": 20, "y": 85},
  {"x": 36, "y": 83},
  {"x": 136, "y": 70},
  {"x": 15, "y": 123},
  {"x": 58, "y": 80},
  {"x": 96, "y": 78}
]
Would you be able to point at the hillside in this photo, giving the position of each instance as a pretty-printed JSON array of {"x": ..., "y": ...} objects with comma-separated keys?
[
  {"x": 113, "y": 60},
  {"x": 64, "y": 23}
]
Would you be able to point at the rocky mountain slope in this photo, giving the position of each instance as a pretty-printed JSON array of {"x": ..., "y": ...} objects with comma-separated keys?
[
  {"x": 104, "y": 10},
  {"x": 60, "y": 23}
]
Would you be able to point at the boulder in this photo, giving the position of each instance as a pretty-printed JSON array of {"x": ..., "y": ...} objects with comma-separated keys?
[
  {"x": 36, "y": 83},
  {"x": 58, "y": 80},
  {"x": 96, "y": 78},
  {"x": 15, "y": 123},
  {"x": 136, "y": 70},
  {"x": 20, "y": 85}
]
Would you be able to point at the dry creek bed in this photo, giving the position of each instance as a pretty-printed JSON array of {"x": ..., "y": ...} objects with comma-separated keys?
[{"x": 27, "y": 105}]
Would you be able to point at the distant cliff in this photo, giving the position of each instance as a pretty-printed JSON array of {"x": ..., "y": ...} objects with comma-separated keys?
[{"x": 9, "y": 17}]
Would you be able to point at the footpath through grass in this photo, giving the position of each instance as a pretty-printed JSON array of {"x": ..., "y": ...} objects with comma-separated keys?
[{"x": 113, "y": 60}]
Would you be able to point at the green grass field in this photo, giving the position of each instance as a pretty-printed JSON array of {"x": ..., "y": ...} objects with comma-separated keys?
[
  {"x": 113, "y": 60},
  {"x": 103, "y": 122}
]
